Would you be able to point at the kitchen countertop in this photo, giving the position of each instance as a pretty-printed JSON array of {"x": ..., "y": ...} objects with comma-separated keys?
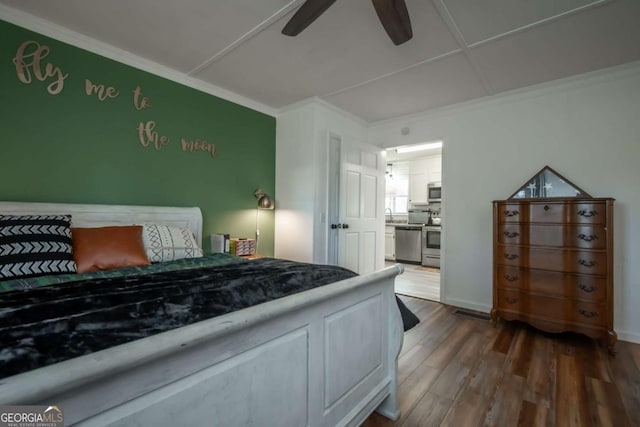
[
  {"x": 402, "y": 224},
  {"x": 406, "y": 224}
]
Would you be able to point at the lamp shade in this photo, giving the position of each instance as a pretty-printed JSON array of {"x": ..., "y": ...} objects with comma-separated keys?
[{"x": 264, "y": 201}]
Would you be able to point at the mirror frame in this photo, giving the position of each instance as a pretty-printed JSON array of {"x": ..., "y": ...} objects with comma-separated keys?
[{"x": 582, "y": 195}]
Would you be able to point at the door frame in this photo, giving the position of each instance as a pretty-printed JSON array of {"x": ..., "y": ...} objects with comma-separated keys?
[
  {"x": 443, "y": 203},
  {"x": 333, "y": 197}
]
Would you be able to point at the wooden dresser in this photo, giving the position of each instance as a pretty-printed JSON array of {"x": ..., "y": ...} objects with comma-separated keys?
[{"x": 553, "y": 264}]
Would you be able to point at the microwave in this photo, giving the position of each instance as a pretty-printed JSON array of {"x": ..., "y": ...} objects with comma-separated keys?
[
  {"x": 434, "y": 192},
  {"x": 419, "y": 216}
]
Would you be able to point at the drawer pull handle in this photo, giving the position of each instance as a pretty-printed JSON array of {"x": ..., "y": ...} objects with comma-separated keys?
[
  {"x": 511, "y": 235},
  {"x": 546, "y": 207},
  {"x": 511, "y": 300},
  {"x": 587, "y": 238},
  {"x": 587, "y": 289},
  {"x": 511, "y": 213},
  {"x": 511, "y": 278},
  {"x": 586, "y": 263},
  {"x": 587, "y": 214},
  {"x": 586, "y": 313},
  {"x": 511, "y": 256}
]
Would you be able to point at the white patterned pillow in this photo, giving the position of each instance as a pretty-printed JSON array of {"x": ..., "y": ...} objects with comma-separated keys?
[
  {"x": 163, "y": 243},
  {"x": 35, "y": 245}
]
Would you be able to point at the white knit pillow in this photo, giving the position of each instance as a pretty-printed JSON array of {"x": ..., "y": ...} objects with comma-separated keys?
[{"x": 163, "y": 243}]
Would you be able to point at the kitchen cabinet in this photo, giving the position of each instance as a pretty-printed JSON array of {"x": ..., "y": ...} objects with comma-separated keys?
[
  {"x": 418, "y": 188},
  {"x": 434, "y": 168},
  {"x": 422, "y": 171},
  {"x": 390, "y": 242}
]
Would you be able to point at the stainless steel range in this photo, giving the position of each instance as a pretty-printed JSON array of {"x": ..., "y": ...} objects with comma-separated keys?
[
  {"x": 431, "y": 238},
  {"x": 431, "y": 245},
  {"x": 429, "y": 223}
]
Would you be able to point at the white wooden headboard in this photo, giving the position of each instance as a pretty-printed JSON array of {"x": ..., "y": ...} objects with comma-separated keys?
[{"x": 104, "y": 215}]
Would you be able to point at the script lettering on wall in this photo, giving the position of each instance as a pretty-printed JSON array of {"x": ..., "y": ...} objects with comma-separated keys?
[
  {"x": 100, "y": 91},
  {"x": 140, "y": 102},
  {"x": 198, "y": 145},
  {"x": 29, "y": 59},
  {"x": 30, "y": 63},
  {"x": 148, "y": 136}
]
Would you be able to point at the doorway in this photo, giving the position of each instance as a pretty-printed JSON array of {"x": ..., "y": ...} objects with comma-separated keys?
[{"x": 414, "y": 195}]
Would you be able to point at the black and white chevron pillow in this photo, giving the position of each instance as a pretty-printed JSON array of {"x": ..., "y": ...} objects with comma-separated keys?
[{"x": 35, "y": 245}]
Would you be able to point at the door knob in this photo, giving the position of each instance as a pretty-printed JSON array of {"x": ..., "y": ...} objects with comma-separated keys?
[{"x": 334, "y": 226}]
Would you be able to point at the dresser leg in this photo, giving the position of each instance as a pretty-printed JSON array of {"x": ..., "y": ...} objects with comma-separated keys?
[
  {"x": 494, "y": 317},
  {"x": 611, "y": 338}
]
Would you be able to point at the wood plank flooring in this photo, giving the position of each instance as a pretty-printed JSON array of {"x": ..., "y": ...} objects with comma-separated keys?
[
  {"x": 456, "y": 371},
  {"x": 418, "y": 281}
]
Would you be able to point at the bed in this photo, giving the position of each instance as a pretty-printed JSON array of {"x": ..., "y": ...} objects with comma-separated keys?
[{"x": 323, "y": 357}]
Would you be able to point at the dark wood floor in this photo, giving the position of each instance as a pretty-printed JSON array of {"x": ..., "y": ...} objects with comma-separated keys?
[{"x": 455, "y": 371}]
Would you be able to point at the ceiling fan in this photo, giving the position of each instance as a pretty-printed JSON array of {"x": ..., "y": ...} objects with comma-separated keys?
[{"x": 393, "y": 15}]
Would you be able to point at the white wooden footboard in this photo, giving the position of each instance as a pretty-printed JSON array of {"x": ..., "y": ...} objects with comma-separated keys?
[{"x": 325, "y": 357}]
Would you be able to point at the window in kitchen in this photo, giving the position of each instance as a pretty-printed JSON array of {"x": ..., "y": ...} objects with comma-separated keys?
[{"x": 397, "y": 187}]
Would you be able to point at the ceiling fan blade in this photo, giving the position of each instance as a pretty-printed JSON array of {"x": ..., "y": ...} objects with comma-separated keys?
[
  {"x": 394, "y": 17},
  {"x": 305, "y": 15}
]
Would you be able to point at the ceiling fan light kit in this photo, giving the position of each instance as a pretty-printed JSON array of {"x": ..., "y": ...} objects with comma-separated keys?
[{"x": 393, "y": 15}]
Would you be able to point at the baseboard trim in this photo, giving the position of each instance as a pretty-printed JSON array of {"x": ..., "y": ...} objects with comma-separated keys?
[
  {"x": 633, "y": 337},
  {"x": 471, "y": 305}
]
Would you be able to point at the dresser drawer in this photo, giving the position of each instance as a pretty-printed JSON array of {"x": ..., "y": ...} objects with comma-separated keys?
[
  {"x": 571, "y": 236},
  {"x": 557, "y": 309},
  {"x": 526, "y": 212},
  {"x": 567, "y": 260},
  {"x": 512, "y": 212},
  {"x": 553, "y": 283},
  {"x": 553, "y": 212},
  {"x": 547, "y": 212},
  {"x": 588, "y": 213}
]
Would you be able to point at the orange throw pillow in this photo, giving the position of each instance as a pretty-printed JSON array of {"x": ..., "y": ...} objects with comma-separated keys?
[{"x": 106, "y": 248}]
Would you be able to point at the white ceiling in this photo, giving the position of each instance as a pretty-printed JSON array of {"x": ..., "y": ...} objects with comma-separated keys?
[{"x": 461, "y": 49}]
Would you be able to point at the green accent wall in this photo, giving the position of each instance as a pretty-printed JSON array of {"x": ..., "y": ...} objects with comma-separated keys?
[{"x": 74, "y": 148}]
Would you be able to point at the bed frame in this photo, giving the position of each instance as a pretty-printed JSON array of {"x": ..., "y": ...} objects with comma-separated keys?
[{"x": 324, "y": 357}]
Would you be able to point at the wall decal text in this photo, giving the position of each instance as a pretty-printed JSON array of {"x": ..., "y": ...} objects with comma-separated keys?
[
  {"x": 30, "y": 63},
  {"x": 140, "y": 102},
  {"x": 100, "y": 90},
  {"x": 29, "y": 59},
  {"x": 198, "y": 145},
  {"x": 148, "y": 136}
]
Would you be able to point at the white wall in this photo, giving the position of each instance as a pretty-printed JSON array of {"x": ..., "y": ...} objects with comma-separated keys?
[
  {"x": 295, "y": 177},
  {"x": 586, "y": 128},
  {"x": 302, "y": 180}
]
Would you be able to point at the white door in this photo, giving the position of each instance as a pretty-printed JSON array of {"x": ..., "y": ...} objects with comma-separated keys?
[{"x": 360, "y": 232}]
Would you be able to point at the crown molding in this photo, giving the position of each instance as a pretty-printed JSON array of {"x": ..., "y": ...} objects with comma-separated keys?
[
  {"x": 65, "y": 35},
  {"x": 616, "y": 72},
  {"x": 314, "y": 100}
]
